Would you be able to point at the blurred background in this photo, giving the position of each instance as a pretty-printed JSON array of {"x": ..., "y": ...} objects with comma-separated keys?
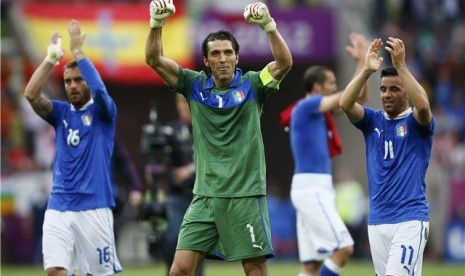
[{"x": 316, "y": 31}]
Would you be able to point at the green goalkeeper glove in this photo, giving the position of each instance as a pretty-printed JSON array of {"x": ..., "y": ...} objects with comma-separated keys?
[
  {"x": 159, "y": 11},
  {"x": 54, "y": 51},
  {"x": 258, "y": 13}
]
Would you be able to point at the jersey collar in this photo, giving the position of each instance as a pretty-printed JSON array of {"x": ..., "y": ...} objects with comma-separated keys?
[
  {"x": 84, "y": 107},
  {"x": 210, "y": 84},
  {"x": 400, "y": 116}
]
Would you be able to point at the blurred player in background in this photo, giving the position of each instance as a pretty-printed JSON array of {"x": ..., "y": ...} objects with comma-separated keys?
[
  {"x": 78, "y": 227},
  {"x": 229, "y": 209},
  {"x": 127, "y": 184},
  {"x": 398, "y": 148},
  {"x": 324, "y": 241}
]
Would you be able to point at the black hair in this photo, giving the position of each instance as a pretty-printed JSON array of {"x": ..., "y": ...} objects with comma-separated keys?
[
  {"x": 314, "y": 74},
  {"x": 389, "y": 72},
  {"x": 219, "y": 35},
  {"x": 71, "y": 64}
]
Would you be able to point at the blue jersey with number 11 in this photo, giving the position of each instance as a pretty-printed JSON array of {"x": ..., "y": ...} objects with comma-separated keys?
[
  {"x": 84, "y": 146},
  {"x": 397, "y": 156}
]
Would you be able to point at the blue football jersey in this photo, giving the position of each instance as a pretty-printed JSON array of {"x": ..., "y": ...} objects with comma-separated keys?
[
  {"x": 308, "y": 136},
  {"x": 397, "y": 157},
  {"x": 84, "y": 146}
]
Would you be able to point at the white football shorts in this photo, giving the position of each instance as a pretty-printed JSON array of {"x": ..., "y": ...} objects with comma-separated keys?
[
  {"x": 80, "y": 241},
  {"x": 320, "y": 229},
  {"x": 397, "y": 249}
]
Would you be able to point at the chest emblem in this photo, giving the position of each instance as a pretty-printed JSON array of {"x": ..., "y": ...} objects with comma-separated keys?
[
  {"x": 401, "y": 130},
  {"x": 238, "y": 96},
  {"x": 86, "y": 119}
]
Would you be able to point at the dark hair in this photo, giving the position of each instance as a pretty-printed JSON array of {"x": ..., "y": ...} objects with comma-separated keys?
[
  {"x": 389, "y": 72},
  {"x": 219, "y": 35},
  {"x": 314, "y": 74},
  {"x": 71, "y": 64}
]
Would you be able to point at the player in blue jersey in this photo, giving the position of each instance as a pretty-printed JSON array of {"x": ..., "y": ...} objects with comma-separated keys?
[
  {"x": 78, "y": 233},
  {"x": 398, "y": 147},
  {"x": 324, "y": 242},
  {"x": 228, "y": 211}
]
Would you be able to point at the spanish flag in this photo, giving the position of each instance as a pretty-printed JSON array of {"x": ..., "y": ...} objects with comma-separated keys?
[{"x": 116, "y": 34}]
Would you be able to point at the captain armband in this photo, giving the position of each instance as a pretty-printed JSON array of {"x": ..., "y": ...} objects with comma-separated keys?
[{"x": 268, "y": 80}]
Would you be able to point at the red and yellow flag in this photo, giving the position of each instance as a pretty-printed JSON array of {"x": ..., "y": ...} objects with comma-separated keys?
[{"x": 116, "y": 34}]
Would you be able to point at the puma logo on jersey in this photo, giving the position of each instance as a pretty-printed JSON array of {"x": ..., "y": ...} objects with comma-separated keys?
[
  {"x": 65, "y": 123},
  {"x": 378, "y": 131},
  {"x": 201, "y": 96}
]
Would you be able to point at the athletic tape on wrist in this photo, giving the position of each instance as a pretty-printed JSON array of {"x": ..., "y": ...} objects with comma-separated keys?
[
  {"x": 155, "y": 23},
  {"x": 270, "y": 26}
]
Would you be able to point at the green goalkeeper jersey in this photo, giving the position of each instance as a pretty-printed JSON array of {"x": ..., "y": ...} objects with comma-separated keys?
[{"x": 228, "y": 144}]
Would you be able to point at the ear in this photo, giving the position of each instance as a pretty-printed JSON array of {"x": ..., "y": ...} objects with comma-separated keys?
[
  {"x": 205, "y": 61},
  {"x": 237, "y": 60},
  {"x": 317, "y": 87}
]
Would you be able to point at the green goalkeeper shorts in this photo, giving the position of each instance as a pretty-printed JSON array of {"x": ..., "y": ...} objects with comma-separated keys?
[{"x": 227, "y": 228}]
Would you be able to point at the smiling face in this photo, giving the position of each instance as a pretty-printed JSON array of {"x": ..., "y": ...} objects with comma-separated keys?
[
  {"x": 77, "y": 91},
  {"x": 393, "y": 96},
  {"x": 222, "y": 60}
]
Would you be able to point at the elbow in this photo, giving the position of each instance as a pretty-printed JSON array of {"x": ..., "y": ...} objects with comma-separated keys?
[
  {"x": 151, "y": 59},
  {"x": 423, "y": 107},
  {"x": 289, "y": 63},
  {"x": 344, "y": 105},
  {"x": 29, "y": 95}
]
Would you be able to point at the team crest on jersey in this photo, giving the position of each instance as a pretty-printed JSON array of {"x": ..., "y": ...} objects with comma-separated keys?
[
  {"x": 238, "y": 96},
  {"x": 86, "y": 119},
  {"x": 401, "y": 130}
]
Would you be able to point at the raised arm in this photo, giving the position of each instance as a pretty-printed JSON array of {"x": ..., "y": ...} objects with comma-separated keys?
[
  {"x": 357, "y": 50},
  {"x": 348, "y": 102},
  {"x": 415, "y": 92},
  {"x": 165, "y": 67},
  {"x": 33, "y": 92},
  {"x": 258, "y": 13}
]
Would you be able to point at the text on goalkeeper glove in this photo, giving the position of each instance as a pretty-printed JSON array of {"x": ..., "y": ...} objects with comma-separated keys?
[
  {"x": 258, "y": 13},
  {"x": 159, "y": 11}
]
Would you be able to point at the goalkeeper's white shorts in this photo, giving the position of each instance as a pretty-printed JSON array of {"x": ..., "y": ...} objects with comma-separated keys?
[
  {"x": 320, "y": 229},
  {"x": 80, "y": 241}
]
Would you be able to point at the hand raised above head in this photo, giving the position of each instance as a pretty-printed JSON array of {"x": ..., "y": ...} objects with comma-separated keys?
[
  {"x": 76, "y": 39},
  {"x": 359, "y": 46},
  {"x": 54, "y": 50},
  {"x": 258, "y": 13},
  {"x": 396, "y": 49},
  {"x": 372, "y": 61},
  {"x": 159, "y": 11}
]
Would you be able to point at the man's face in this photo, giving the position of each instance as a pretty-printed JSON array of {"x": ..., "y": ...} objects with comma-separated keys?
[
  {"x": 77, "y": 91},
  {"x": 222, "y": 61},
  {"x": 329, "y": 86},
  {"x": 393, "y": 96}
]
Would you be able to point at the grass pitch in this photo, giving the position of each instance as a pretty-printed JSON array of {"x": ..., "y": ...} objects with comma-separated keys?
[{"x": 276, "y": 268}]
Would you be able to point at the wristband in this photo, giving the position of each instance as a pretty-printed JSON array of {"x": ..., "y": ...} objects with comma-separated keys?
[
  {"x": 270, "y": 26},
  {"x": 156, "y": 23}
]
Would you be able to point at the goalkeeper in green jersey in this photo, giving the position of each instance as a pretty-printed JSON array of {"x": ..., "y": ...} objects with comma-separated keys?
[{"x": 228, "y": 215}]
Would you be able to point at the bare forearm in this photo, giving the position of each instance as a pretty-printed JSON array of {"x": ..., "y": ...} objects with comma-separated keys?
[
  {"x": 414, "y": 90},
  {"x": 281, "y": 54},
  {"x": 33, "y": 91},
  {"x": 352, "y": 91},
  {"x": 153, "y": 47},
  {"x": 166, "y": 68}
]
